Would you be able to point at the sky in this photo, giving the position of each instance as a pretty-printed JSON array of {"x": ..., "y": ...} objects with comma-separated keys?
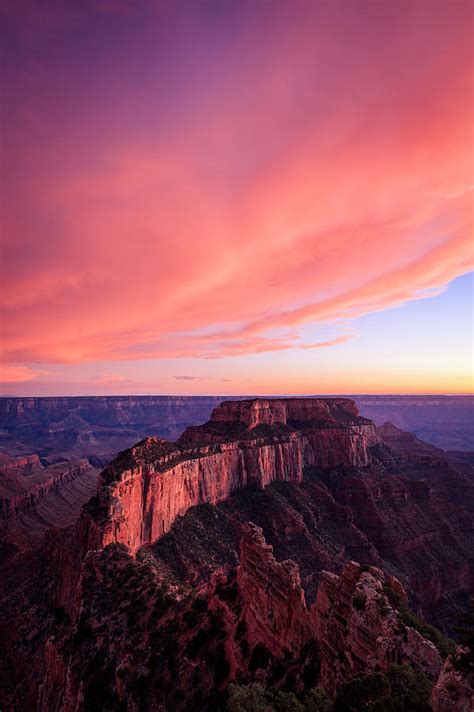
[{"x": 236, "y": 197}]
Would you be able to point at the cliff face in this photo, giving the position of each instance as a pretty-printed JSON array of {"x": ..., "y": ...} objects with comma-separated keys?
[
  {"x": 275, "y": 610},
  {"x": 24, "y": 482},
  {"x": 158, "y": 481},
  {"x": 254, "y": 444},
  {"x": 282, "y": 410},
  {"x": 355, "y": 625},
  {"x": 444, "y": 475},
  {"x": 360, "y": 631}
]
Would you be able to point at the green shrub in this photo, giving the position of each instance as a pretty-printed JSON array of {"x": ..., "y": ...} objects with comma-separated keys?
[
  {"x": 248, "y": 698},
  {"x": 399, "y": 689},
  {"x": 465, "y": 635},
  {"x": 362, "y": 692},
  {"x": 287, "y": 702},
  {"x": 445, "y": 645},
  {"x": 317, "y": 701}
]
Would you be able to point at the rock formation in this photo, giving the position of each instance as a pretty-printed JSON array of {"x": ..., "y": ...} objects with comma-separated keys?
[
  {"x": 34, "y": 497},
  {"x": 453, "y": 691},
  {"x": 445, "y": 475},
  {"x": 359, "y": 631},
  {"x": 156, "y": 481},
  {"x": 275, "y": 610},
  {"x": 98, "y": 426},
  {"x": 24, "y": 481},
  {"x": 355, "y": 625}
]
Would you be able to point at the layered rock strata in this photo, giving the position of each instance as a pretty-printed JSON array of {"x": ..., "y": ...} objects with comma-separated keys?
[
  {"x": 88, "y": 624},
  {"x": 248, "y": 444},
  {"x": 275, "y": 609},
  {"x": 358, "y": 630},
  {"x": 24, "y": 482},
  {"x": 355, "y": 625}
]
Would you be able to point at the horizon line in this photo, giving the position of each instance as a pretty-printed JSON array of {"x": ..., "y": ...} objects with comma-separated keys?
[{"x": 244, "y": 396}]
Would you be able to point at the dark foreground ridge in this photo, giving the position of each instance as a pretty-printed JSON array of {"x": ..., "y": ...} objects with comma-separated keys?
[{"x": 271, "y": 559}]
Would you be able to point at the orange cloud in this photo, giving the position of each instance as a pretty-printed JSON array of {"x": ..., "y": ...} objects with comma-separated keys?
[{"x": 18, "y": 374}]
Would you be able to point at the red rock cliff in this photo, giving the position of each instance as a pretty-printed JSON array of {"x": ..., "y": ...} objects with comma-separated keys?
[
  {"x": 143, "y": 491},
  {"x": 24, "y": 482},
  {"x": 275, "y": 606},
  {"x": 356, "y": 627},
  {"x": 358, "y": 630}
]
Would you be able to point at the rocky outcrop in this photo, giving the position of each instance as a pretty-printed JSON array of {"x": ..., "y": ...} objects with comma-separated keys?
[
  {"x": 453, "y": 692},
  {"x": 146, "y": 488},
  {"x": 405, "y": 443},
  {"x": 275, "y": 608},
  {"x": 25, "y": 482},
  {"x": 358, "y": 630},
  {"x": 355, "y": 625}
]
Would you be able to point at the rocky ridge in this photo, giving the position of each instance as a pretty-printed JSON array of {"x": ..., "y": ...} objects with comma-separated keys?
[
  {"x": 247, "y": 444},
  {"x": 25, "y": 481}
]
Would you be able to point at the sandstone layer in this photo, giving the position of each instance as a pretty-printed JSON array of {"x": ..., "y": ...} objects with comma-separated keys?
[{"x": 142, "y": 492}]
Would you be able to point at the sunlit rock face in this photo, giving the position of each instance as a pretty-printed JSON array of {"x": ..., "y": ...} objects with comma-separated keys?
[{"x": 246, "y": 444}]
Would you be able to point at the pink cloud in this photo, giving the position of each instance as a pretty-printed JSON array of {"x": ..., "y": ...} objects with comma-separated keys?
[
  {"x": 18, "y": 374},
  {"x": 301, "y": 188},
  {"x": 112, "y": 378}
]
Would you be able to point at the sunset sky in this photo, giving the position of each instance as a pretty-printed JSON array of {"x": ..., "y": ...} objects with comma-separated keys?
[{"x": 237, "y": 197}]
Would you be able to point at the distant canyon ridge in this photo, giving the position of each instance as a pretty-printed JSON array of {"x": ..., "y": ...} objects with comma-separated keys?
[{"x": 97, "y": 427}]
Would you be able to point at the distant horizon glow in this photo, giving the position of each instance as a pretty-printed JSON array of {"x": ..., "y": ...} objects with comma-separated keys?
[{"x": 237, "y": 198}]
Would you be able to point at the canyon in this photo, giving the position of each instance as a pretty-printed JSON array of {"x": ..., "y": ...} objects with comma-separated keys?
[
  {"x": 58, "y": 433},
  {"x": 100, "y": 426},
  {"x": 286, "y": 543}
]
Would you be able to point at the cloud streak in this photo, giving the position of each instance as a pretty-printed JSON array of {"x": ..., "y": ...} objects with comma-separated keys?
[{"x": 305, "y": 168}]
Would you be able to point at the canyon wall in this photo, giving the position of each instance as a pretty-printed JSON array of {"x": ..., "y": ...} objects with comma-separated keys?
[
  {"x": 100, "y": 426},
  {"x": 143, "y": 492},
  {"x": 24, "y": 482},
  {"x": 94, "y": 427},
  {"x": 360, "y": 631},
  {"x": 275, "y": 609},
  {"x": 356, "y": 626}
]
